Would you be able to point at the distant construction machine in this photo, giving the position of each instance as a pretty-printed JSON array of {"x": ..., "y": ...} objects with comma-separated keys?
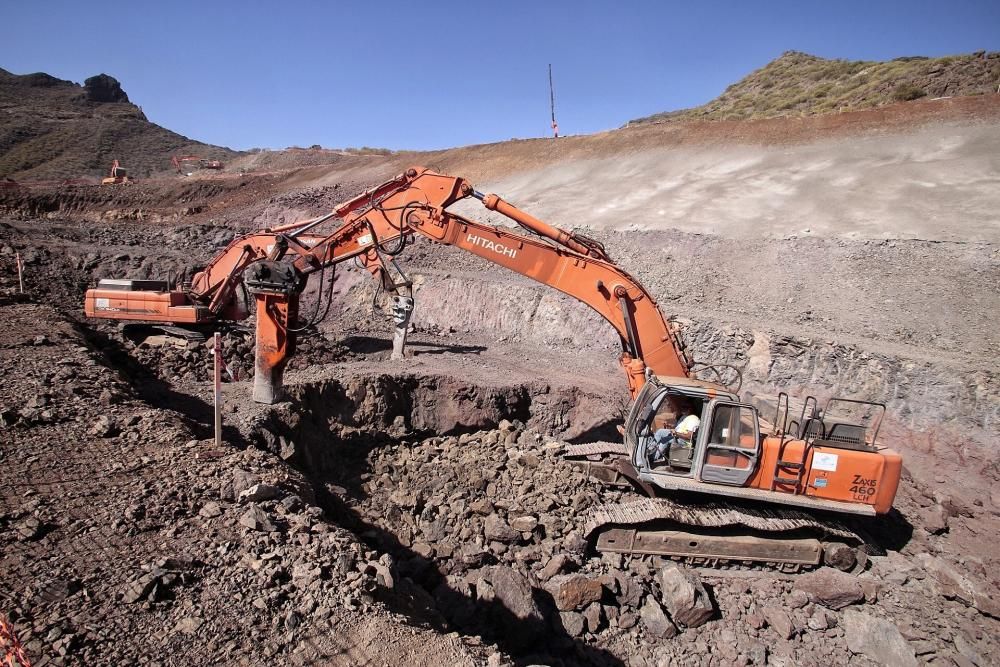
[
  {"x": 188, "y": 164},
  {"x": 116, "y": 176}
]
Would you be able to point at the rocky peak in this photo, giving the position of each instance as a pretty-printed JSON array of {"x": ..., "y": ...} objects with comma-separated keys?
[{"x": 103, "y": 88}]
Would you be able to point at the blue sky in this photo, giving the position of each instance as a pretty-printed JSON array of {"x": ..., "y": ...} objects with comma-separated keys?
[{"x": 434, "y": 74}]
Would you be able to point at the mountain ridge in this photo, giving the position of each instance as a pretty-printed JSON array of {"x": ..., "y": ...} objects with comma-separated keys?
[
  {"x": 52, "y": 128},
  {"x": 798, "y": 83}
]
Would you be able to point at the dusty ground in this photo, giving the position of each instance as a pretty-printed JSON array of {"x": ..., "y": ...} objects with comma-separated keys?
[{"x": 376, "y": 540}]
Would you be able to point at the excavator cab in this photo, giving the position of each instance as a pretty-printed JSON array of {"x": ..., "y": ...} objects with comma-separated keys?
[
  {"x": 825, "y": 459},
  {"x": 725, "y": 448}
]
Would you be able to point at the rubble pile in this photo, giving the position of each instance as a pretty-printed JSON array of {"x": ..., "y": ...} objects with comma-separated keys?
[
  {"x": 130, "y": 541},
  {"x": 183, "y": 361},
  {"x": 498, "y": 516}
]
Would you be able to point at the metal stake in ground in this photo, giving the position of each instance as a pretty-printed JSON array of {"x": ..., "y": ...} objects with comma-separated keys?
[
  {"x": 20, "y": 271},
  {"x": 217, "y": 351},
  {"x": 552, "y": 105}
]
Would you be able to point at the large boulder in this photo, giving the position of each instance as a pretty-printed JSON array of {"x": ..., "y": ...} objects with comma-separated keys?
[
  {"x": 574, "y": 591},
  {"x": 779, "y": 620},
  {"x": 239, "y": 481},
  {"x": 684, "y": 596},
  {"x": 629, "y": 591},
  {"x": 934, "y": 520},
  {"x": 513, "y": 610},
  {"x": 257, "y": 519},
  {"x": 956, "y": 586},
  {"x": 655, "y": 620},
  {"x": 495, "y": 528},
  {"x": 259, "y": 493},
  {"x": 878, "y": 639},
  {"x": 572, "y": 623},
  {"x": 831, "y": 588},
  {"x": 554, "y": 566}
]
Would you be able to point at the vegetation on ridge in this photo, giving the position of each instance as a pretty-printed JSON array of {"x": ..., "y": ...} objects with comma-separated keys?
[{"x": 801, "y": 84}]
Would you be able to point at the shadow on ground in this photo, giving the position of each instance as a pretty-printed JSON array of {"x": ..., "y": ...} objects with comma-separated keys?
[
  {"x": 425, "y": 595},
  {"x": 371, "y": 345},
  {"x": 198, "y": 413}
]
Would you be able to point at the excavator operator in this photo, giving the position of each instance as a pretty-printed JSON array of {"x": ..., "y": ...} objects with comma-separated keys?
[{"x": 681, "y": 436}]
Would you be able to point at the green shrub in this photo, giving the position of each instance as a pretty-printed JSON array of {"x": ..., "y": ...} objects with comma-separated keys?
[{"x": 905, "y": 92}]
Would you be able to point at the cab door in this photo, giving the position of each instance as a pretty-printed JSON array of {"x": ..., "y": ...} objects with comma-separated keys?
[
  {"x": 729, "y": 441},
  {"x": 636, "y": 425}
]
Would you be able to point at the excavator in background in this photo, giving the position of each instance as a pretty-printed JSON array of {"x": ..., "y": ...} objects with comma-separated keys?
[
  {"x": 188, "y": 164},
  {"x": 116, "y": 176},
  {"x": 777, "y": 487}
]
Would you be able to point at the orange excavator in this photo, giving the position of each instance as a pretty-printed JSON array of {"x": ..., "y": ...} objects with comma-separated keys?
[
  {"x": 188, "y": 164},
  {"x": 116, "y": 175},
  {"x": 804, "y": 462}
]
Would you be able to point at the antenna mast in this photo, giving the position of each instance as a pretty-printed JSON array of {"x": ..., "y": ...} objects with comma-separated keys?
[{"x": 552, "y": 104}]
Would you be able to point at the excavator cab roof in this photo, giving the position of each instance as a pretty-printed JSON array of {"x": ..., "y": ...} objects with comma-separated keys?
[{"x": 712, "y": 389}]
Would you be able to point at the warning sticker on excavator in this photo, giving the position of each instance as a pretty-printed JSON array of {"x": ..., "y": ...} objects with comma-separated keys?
[
  {"x": 825, "y": 461},
  {"x": 364, "y": 239},
  {"x": 102, "y": 303}
]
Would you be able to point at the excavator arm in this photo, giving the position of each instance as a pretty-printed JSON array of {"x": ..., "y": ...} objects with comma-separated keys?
[
  {"x": 416, "y": 204},
  {"x": 275, "y": 264}
]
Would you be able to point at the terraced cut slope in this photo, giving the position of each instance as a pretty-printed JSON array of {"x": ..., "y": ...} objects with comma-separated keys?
[{"x": 802, "y": 84}]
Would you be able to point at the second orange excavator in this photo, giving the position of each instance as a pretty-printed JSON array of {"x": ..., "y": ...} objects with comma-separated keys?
[
  {"x": 825, "y": 461},
  {"x": 188, "y": 164},
  {"x": 116, "y": 175}
]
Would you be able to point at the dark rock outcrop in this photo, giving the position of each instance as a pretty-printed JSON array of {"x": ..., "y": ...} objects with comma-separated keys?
[{"x": 104, "y": 89}]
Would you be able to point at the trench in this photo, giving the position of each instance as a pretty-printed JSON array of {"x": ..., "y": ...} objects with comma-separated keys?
[
  {"x": 462, "y": 485},
  {"x": 425, "y": 469}
]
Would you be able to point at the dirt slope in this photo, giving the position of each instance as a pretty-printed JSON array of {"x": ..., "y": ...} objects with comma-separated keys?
[
  {"x": 126, "y": 543},
  {"x": 802, "y": 84},
  {"x": 56, "y": 129},
  {"x": 919, "y": 170}
]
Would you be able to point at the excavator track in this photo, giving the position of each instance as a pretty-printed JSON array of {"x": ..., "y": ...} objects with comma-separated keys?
[
  {"x": 592, "y": 449},
  {"x": 718, "y": 534}
]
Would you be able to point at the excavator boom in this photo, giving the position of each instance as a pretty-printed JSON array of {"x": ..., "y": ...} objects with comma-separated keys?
[{"x": 275, "y": 263}]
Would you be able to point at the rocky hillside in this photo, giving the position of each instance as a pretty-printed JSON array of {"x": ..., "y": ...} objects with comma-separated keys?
[
  {"x": 801, "y": 84},
  {"x": 56, "y": 129}
]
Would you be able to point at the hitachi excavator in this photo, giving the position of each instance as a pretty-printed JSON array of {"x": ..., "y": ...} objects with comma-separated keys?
[{"x": 780, "y": 489}]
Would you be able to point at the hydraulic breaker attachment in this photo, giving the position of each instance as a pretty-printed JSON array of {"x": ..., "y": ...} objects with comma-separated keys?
[
  {"x": 384, "y": 268},
  {"x": 402, "y": 310},
  {"x": 275, "y": 342},
  {"x": 275, "y": 289}
]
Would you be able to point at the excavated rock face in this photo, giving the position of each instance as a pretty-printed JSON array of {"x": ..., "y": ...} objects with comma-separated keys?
[
  {"x": 104, "y": 89},
  {"x": 478, "y": 532}
]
